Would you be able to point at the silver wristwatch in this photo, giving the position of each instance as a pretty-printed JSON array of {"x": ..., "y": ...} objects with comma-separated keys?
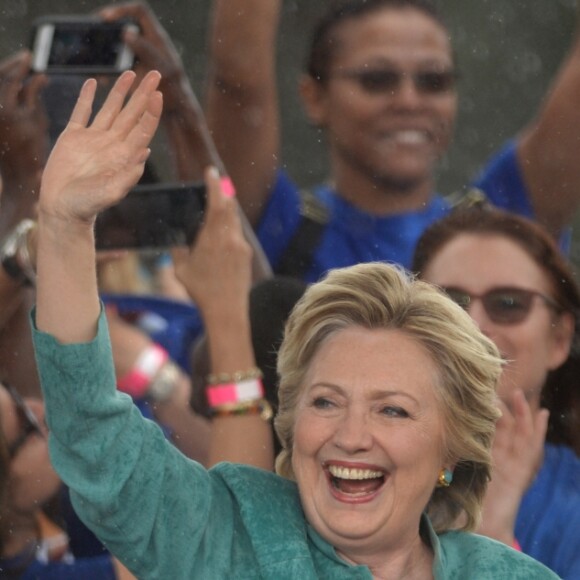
[
  {"x": 164, "y": 382},
  {"x": 14, "y": 255}
]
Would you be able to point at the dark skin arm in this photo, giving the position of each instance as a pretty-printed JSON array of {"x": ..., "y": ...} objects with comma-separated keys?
[
  {"x": 23, "y": 138},
  {"x": 242, "y": 97},
  {"x": 548, "y": 148},
  {"x": 23, "y": 152},
  {"x": 183, "y": 120}
]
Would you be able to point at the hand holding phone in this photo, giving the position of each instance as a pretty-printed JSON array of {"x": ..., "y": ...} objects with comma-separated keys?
[
  {"x": 156, "y": 216},
  {"x": 217, "y": 270}
]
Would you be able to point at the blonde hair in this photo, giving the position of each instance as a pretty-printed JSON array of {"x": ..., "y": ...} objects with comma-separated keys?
[{"x": 381, "y": 296}]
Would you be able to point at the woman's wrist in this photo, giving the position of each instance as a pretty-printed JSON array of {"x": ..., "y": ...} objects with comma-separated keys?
[{"x": 63, "y": 228}]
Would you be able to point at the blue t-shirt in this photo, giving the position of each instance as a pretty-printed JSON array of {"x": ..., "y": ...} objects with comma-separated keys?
[
  {"x": 352, "y": 236},
  {"x": 548, "y": 523}
]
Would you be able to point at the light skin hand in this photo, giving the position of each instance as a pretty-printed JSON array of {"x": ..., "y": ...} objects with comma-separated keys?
[
  {"x": 517, "y": 455},
  {"x": 217, "y": 270},
  {"x": 217, "y": 274},
  {"x": 90, "y": 168},
  {"x": 93, "y": 166}
]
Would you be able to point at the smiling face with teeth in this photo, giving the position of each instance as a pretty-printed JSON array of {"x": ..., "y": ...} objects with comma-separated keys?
[
  {"x": 387, "y": 141},
  {"x": 368, "y": 441}
]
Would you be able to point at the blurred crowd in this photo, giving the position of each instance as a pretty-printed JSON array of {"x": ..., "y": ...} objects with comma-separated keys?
[{"x": 195, "y": 330}]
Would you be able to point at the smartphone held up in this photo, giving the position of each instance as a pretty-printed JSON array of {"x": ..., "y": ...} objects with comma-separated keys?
[
  {"x": 80, "y": 45},
  {"x": 153, "y": 217}
]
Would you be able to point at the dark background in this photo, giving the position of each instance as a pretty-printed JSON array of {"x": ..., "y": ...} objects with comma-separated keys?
[{"x": 507, "y": 52}]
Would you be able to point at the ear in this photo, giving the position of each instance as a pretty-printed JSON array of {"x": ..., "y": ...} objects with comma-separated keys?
[
  {"x": 314, "y": 99},
  {"x": 562, "y": 335}
]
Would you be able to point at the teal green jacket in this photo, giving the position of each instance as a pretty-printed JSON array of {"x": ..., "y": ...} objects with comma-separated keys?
[{"x": 166, "y": 517}]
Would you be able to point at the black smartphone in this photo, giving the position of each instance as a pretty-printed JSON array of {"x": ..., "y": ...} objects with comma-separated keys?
[
  {"x": 158, "y": 216},
  {"x": 80, "y": 45}
]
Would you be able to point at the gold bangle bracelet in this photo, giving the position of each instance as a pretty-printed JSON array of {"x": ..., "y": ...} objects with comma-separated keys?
[
  {"x": 260, "y": 407},
  {"x": 236, "y": 377}
]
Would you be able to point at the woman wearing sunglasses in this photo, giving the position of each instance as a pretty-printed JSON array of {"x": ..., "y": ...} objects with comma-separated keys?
[
  {"x": 508, "y": 274},
  {"x": 380, "y": 85},
  {"x": 32, "y": 546}
]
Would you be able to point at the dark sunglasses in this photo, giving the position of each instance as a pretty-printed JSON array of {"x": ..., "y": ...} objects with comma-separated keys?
[
  {"x": 502, "y": 305},
  {"x": 376, "y": 81},
  {"x": 28, "y": 421}
]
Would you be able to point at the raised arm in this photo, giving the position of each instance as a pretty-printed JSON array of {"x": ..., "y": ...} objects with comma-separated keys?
[
  {"x": 242, "y": 102},
  {"x": 90, "y": 168},
  {"x": 191, "y": 145},
  {"x": 183, "y": 120},
  {"x": 517, "y": 456},
  {"x": 217, "y": 274},
  {"x": 23, "y": 138},
  {"x": 549, "y": 148}
]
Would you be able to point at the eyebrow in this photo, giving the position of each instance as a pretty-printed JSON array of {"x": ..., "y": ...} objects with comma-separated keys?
[{"x": 376, "y": 394}]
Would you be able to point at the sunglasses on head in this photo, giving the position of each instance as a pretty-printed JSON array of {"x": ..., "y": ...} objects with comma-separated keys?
[
  {"x": 376, "y": 81},
  {"x": 502, "y": 305},
  {"x": 28, "y": 422}
]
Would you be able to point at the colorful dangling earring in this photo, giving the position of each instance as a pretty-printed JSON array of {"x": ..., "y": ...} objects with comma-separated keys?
[{"x": 445, "y": 478}]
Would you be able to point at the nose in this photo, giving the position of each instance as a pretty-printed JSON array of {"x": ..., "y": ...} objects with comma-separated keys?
[
  {"x": 480, "y": 317},
  {"x": 353, "y": 433},
  {"x": 406, "y": 95}
]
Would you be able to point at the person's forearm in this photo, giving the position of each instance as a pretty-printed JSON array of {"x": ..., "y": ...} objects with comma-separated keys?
[
  {"x": 11, "y": 296},
  {"x": 547, "y": 147},
  {"x": 19, "y": 196},
  {"x": 193, "y": 150},
  {"x": 189, "y": 139},
  {"x": 251, "y": 24},
  {"x": 242, "y": 99},
  {"x": 499, "y": 515},
  {"x": 67, "y": 297},
  {"x": 190, "y": 433},
  {"x": 245, "y": 439}
]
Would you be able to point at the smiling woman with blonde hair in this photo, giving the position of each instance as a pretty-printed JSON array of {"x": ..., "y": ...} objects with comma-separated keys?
[
  {"x": 379, "y": 297},
  {"x": 387, "y": 402}
]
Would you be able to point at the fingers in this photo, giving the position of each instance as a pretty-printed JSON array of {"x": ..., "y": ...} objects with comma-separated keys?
[
  {"x": 138, "y": 104},
  {"x": 140, "y": 13},
  {"x": 540, "y": 429},
  {"x": 13, "y": 71},
  {"x": 114, "y": 101},
  {"x": 143, "y": 132},
  {"x": 84, "y": 105},
  {"x": 32, "y": 91},
  {"x": 523, "y": 431}
]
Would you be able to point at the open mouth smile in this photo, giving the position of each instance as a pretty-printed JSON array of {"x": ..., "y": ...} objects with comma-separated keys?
[{"x": 355, "y": 484}]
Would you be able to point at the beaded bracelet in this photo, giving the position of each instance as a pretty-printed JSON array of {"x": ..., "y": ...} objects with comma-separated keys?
[
  {"x": 236, "y": 377},
  {"x": 249, "y": 390},
  {"x": 260, "y": 407}
]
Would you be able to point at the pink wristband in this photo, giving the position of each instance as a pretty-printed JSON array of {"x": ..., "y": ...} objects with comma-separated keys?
[
  {"x": 136, "y": 382},
  {"x": 516, "y": 545},
  {"x": 232, "y": 393}
]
